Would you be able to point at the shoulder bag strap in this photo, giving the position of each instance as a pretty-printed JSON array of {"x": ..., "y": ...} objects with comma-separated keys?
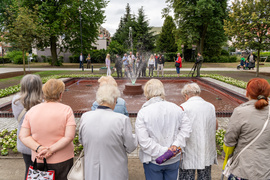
[
  {"x": 264, "y": 126},
  {"x": 21, "y": 115}
]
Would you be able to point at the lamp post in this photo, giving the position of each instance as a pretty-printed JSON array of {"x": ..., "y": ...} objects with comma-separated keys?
[
  {"x": 193, "y": 51},
  {"x": 80, "y": 11},
  {"x": 182, "y": 46}
]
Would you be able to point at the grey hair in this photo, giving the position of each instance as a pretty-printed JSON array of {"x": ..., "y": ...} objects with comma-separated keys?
[
  {"x": 107, "y": 93},
  {"x": 31, "y": 91},
  {"x": 191, "y": 89},
  {"x": 154, "y": 88}
]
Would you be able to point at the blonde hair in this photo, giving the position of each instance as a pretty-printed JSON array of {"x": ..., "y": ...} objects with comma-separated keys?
[
  {"x": 107, "y": 94},
  {"x": 191, "y": 89},
  {"x": 154, "y": 88},
  {"x": 53, "y": 89},
  {"x": 31, "y": 91},
  {"x": 152, "y": 56},
  {"x": 108, "y": 56},
  {"x": 107, "y": 80}
]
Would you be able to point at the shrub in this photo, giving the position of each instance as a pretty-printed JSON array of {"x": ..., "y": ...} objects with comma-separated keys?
[
  {"x": 44, "y": 58},
  {"x": 224, "y": 52},
  {"x": 214, "y": 59},
  {"x": 16, "y": 57},
  {"x": 233, "y": 58},
  {"x": 223, "y": 59},
  {"x": 35, "y": 58},
  {"x": 5, "y": 59},
  {"x": 98, "y": 56},
  {"x": 169, "y": 56}
]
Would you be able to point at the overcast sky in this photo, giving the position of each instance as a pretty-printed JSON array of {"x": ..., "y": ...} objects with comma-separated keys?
[{"x": 117, "y": 8}]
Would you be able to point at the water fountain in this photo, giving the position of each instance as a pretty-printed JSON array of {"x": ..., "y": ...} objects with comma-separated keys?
[{"x": 133, "y": 88}]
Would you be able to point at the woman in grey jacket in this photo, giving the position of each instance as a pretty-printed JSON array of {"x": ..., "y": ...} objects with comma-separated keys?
[
  {"x": 245, "y": 124},
  {"x": 29, "y": 96}
]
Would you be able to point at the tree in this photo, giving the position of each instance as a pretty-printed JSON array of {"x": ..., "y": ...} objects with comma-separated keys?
[
  {"x": 22, "y": 28},
  {"x": 62, "y": 18},
  {"x": 166, "y": 41},
  {"x": 122, "y": 33},
  {"x": 248, "y": 25},
  {"x": 194, "y": 19},
  {"x": 144, "y": 38},
  {"x": 136, "y": 27}
]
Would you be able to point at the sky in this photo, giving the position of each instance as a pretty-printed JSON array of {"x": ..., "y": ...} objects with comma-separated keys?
[{"x": 117, "y": 8}]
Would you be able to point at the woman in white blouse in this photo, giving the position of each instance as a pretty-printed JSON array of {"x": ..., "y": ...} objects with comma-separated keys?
[
  {"x": 108, "y": 65},
  {"x": 160, "y": 125},
  {"x": 200, "y": 152},
  {"x": 151, "y": 64}
]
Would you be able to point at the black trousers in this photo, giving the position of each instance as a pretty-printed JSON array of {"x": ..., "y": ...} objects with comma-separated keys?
[
  {"x": 61, "y": 169},
  {"x": 27, "y": 162}
]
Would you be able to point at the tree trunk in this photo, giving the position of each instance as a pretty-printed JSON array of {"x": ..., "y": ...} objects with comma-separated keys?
[
  {"x": 258, "y": 63},
  {"x": 53, "y": 40},
  {"x": 202, "y": 39},
  {"x": 23, "y": 61}
]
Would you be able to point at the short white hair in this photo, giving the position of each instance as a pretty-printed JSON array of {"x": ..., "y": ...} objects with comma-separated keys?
[
  {"x": 107, "y": 94},
  {"x": 154, "y": 88},
  {"x": 107, "y": 80},
  {"x": 191, "y": 89}
]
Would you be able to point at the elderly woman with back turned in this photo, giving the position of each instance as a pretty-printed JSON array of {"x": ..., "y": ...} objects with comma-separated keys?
[
  {"x": 160, "y": 125},
  {"x": 49, "y": 129},
  {"x": 246, "y": 122},
  {"x": 29, "y": 96},
  {"x": 106, "y": 137},
  {"x": 200, "y": 152}
]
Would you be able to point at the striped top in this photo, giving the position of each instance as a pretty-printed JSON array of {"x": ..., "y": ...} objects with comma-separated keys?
[{"x": 200, "y": 150}]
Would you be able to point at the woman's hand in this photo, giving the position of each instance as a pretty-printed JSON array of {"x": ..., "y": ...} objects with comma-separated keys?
[{"x": 45, "y": 153}]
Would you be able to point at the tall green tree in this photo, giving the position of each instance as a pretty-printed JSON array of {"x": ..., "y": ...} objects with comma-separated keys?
[
  {"x": 144, "y": 38},
  {"x": 166, "y": 41},
  {"x": 196, "y": 17},
  {"x": 125, "y": 29},
  {"x": 248, "y": 25},
  {"x": 62, "y": 18},
  {"x": 135, "y": 28},
  {"x": 22, "y": 29}
]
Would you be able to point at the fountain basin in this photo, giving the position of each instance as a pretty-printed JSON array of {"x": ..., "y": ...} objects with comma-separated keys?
[{"x": 133, "y": 89}]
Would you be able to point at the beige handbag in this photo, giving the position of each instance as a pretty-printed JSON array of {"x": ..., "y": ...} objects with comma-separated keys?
[{"x": 77, "y": 170}]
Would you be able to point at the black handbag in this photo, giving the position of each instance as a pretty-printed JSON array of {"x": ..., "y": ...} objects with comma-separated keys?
[{"x": 177, "y": 64}]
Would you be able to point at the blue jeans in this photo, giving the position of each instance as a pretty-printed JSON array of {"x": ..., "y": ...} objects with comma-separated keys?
[
  {"x": 178, "y": 70},
  {"x": 157, "y": 172}
]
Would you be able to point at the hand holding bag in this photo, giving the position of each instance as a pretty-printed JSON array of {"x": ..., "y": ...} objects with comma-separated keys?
[
  {"x": 34, "y": 173},
  {"x": 77, "y": 170},
  {"x": 227, "y": 170}
]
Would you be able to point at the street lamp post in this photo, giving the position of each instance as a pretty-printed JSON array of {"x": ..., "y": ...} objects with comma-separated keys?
[
  {"x": 80, "y": 11},
  {"x": 182, "y": 46}
]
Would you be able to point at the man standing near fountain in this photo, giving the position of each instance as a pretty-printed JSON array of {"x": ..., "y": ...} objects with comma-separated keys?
[
  {"x": 118, "y": 65},
  {"x": 126, "y": 64},
  {"x": 199, "y": 62},
  {"x": 81, "y": 59},
  {"x": 131, "y": 59},
  {"x": 200, "y": 151},
  {"x": 160, "y": 65}
]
